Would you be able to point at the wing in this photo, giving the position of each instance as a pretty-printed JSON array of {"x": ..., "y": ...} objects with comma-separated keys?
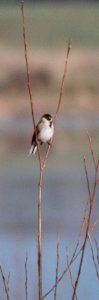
[{"x": 33, "y": 142}]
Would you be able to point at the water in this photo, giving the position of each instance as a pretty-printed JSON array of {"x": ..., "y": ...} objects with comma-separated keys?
[{"x": 12, "y": 257}]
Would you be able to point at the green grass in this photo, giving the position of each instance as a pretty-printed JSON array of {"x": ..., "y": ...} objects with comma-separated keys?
[{"x": 51, "y": 26}]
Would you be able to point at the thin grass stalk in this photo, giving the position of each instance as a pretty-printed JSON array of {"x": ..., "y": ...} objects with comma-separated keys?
[
  {"x": 5, "y": 284},
  {"x": 82, "y": 249},
  {"x": 8, "y": 282},
  {"x": 74, "y": 256},
  {"x": 26, "y": 278},
  {"x": 72, "y": 260},
  {"x": 97, "y": 249},
  {"x": 88, "y": 183},
  {"x": 92, "y": 150},
  {"x": 40, "y": 235},
  {"x": 91, "y": 200},
  {"x": 27, "y": 62},
  {"x": 93, "y": 256},
  {"x": 42, "y": 164},
  {"x": 59, "y": 99},
  {"x": 28, "y": 77},
  {"x": 62, "y": 82},
  {"x": 57, "y": 269},
  {"x": 39, "y": 158},
  {"x": 71, "y": 277},
  {"x": 81, "y": 229}
]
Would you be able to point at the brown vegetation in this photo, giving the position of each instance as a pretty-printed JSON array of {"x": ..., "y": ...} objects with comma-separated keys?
[{"x": 80, "y": 94}]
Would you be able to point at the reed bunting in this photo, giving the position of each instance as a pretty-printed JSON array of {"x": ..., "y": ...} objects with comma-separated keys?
[{"x": 44, "y": 132}]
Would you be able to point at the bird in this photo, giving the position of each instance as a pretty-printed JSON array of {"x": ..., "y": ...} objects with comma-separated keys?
[{"x": 43, "y": 133}]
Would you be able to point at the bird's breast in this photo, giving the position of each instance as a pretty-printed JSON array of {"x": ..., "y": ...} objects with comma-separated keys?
[{"x": 45, "y": 134}]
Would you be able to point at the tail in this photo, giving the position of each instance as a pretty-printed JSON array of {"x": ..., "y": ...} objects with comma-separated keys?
[
  {"x": 33, "y": 145},
  {"x": 33, "y": 149}
]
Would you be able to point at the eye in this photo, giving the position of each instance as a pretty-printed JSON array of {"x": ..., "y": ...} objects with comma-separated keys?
[{"x": 49, "y": 118}]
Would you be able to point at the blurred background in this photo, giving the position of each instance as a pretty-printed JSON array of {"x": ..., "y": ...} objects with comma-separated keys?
[{"x": 49, "y": 26}]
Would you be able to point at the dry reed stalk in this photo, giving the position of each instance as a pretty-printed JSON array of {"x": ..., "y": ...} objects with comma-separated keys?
[
  {"x": 57, "y": 269},
  {"x": 26, "y": 278},
  {"x": 81, "y": 229},
  {"x": 74, "y": 255},
  {"x": 91, "y": 202},
  {"x": 60, "y": 98},
  {"x": 62, "y": 82},
  {"x": 27, "y": 62},
  {"x": 40, "y": 235},
  {"x": 86, "y": 220},
  {"x": 72, "y": 260},
  {"x": 5, "y": 284},
  {"x": 71, "y": 276},
  {"x": 97, "y": 249},
  {"x": 39, "y": 156},
  {"x": 93, "y": 256},
  {"x": 28, "y": 75},
  {"x": 8, "y": 281},
  {"x": 41, "y": 164},
  {"x": 42, "y": 167},
  {"x": 92, "y": 150}
]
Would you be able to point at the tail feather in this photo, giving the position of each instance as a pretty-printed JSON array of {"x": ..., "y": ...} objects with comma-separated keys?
[
  {"x": 32, "y": 149},
  {"x": 33, "y": 145}
]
